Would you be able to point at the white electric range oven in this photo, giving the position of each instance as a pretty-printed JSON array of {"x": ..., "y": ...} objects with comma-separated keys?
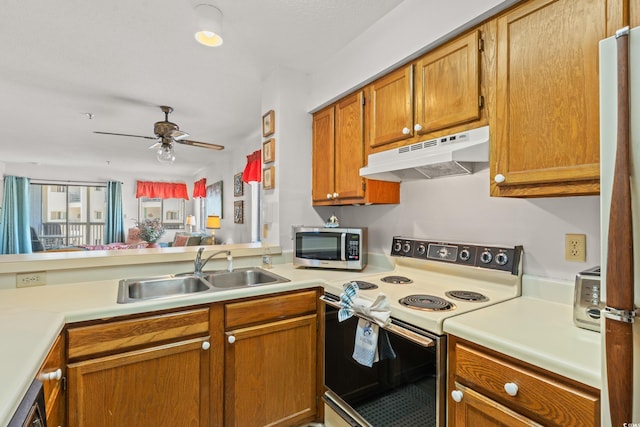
[{"x": 431, "y": 282}]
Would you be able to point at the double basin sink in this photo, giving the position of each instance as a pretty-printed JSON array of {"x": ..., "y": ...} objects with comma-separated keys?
[{"x": 134, "y": 290}]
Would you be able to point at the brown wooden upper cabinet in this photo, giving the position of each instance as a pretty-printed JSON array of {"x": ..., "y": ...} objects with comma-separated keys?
[
  {"x": 545, "y": 131},
  {"x": 439, "y": 91},
  {"x": 338, "y": 155},
  {"x": 390, "y": 107},
  {"x": 448, "y": 85}
]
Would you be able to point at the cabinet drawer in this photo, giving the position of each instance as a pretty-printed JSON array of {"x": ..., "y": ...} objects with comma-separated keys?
[
  {"x": 270, "y": 308},
  {"x": 123, "y": 335},
  {"x": 541, "y": 396}
]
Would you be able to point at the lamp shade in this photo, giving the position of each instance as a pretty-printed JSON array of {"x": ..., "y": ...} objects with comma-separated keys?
[
  {"x": 191, "y": 220},
  {"x": 209, "y": 29},
  {"x": 213, "y": 222}
]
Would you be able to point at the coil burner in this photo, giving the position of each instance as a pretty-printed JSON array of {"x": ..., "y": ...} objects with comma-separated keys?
[
  {"x": 397, "y": 280},
  {"x": 427, "y": 303},
  {"x": 365, "y": 285},
  {"x": 467, "y": 296}
]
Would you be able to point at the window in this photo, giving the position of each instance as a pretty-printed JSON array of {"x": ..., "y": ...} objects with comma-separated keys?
[
  {"x": 64, "y": 215},
  {"x": 170, "y": 211}
]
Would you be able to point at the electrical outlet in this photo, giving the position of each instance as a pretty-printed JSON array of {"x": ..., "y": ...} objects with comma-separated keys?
[
  {"x": 31, "y": 279},
  {"x": 575, "y": 247}
]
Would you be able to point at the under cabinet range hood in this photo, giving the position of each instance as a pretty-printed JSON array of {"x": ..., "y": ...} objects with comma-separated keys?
[{"x": 456, "y": 154}]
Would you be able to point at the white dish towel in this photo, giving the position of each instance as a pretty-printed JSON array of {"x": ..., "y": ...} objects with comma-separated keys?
[{"x": 365, "y": 349}]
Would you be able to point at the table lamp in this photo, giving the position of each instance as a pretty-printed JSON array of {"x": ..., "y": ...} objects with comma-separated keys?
[
  {"x": 191, "y": 222},
  {"x": 213, "y": 223}
]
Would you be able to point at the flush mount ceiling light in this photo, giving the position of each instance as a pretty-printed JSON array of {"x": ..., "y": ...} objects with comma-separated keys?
[{"x": 209, "y": 21}]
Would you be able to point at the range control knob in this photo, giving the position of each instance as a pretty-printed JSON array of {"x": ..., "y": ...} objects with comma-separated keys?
[
  {"x": 406, "y": 248},
  {"x": 421, "y": 250},
  {"x": 465, "y": 255},
  {"x": 502, "y": 258},
  {"x": 486, "y": 257},
  {"x": 397, "y": 246}
]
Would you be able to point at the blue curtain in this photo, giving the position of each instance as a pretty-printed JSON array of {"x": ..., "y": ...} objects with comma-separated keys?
[
  {"x": 15, "y": 235},
  {"x": 114, "y": 223}
]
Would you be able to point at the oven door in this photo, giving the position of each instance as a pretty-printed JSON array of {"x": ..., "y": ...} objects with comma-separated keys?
[
  {"x": 31, "y": 412},
  {"x": 406, "y": 391}
]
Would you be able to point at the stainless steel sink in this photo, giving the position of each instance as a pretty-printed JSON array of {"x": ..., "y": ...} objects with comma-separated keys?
[
  {"x": 132, "y": 290},
  {"x": 242, "y": 277}
]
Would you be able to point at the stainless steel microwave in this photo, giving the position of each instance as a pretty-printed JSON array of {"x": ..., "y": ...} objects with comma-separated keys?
[{"x": 324, "y": 247}]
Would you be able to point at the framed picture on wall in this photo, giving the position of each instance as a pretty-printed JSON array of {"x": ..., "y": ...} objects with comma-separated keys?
[
  {"x": 238, "y": 185},
  {"x": 269, "y": 178},
  {"x": 214, "y": 199},
  {"x": 269, "y": 150},
  {"x": 268, "y": 123},
  {"x": 238, "y": 212}
]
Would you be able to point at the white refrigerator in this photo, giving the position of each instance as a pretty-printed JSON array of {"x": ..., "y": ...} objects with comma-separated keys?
[{"x": 620, "y": 280}]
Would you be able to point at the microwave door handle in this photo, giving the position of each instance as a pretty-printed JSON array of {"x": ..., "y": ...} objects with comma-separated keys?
[{"x": 343, "y": 246}]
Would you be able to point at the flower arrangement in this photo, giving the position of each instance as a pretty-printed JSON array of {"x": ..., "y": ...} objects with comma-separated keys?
[{"x": 151, "y": 230}]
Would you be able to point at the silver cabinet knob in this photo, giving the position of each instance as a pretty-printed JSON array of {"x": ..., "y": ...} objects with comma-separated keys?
[
  {"x": 417, "y": 127},
  {"x": 406, "y": 131},
  {"x": 231, "y": 339},
  {"x": 499, "y": 178},
  {"x": 206, "y": 345},
  {"x": 329, "y": 196}
]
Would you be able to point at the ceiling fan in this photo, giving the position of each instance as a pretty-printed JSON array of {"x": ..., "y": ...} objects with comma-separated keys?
[{"x": 166, "y": 133}]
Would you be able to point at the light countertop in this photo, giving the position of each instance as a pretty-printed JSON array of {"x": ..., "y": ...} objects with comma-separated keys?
[
  {"x": 536, "y": 328},
  {"x": 32, "y": 318}
]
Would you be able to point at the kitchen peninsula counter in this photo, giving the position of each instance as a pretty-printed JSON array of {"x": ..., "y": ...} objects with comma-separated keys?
[
  {"x": 32, "y": 318},
  {"x": 534, "y": 328}
]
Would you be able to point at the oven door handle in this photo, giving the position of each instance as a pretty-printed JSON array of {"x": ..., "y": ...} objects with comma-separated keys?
[{"x": 391, "y": 327}]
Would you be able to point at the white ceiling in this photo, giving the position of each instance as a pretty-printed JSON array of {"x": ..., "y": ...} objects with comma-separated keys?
[{"x": 121, "y": 59}]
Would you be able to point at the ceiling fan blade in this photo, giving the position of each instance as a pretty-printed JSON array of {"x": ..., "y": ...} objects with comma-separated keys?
[
  {"x": 178, "y": 134},
  {"x": 201, "y": 144},
  {"x": 126, "y": 134},
  {"x": 155, "y": 145}
]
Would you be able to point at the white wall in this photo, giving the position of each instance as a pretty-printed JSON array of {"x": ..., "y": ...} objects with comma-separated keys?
[
  {"x": 286, "y": 92},
  {"x": 459, "y": 209}
]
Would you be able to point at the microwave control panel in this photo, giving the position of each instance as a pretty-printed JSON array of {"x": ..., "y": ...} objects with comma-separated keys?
[{"x": 353, "y": 247}]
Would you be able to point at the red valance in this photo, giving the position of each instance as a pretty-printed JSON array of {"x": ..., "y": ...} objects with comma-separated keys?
[
  {"x": 162, "y": 190},
  {"x": 200, "y": 188},
  {"x": 253, "y": 169}
]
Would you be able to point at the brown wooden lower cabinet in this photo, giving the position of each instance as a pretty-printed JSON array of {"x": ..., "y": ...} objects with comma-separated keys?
[
  {"x": 245, "y": 363},
  {"x": 52, "y": 374},
  {"x": 487, "y": 388},
  {"x": 164, "y": 385},
  {"x": 271, "y": 364},
  {"x": 142, "y": 371}
]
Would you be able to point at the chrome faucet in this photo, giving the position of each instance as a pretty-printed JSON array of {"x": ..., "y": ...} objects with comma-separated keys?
[{"x": 198, "y": 264}]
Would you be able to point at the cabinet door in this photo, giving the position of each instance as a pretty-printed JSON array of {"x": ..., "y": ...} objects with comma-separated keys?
[
  {"x": 270, "y": 374},
  {"x": 323, "y": 155},
  {"x": 547, "y": 133},
  {"x": 349, "y": 147},
  {"x": 476, "y": 410},
  {"x": 165, "y": 385},
  {"x": 448, "y": 85},
  {"x": 54, "y": 394},
  {"x": 390, "y": 107}
]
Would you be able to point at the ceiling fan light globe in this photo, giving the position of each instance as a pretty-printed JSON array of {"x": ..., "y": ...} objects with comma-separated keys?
[{"x": 165, "y": 154}]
